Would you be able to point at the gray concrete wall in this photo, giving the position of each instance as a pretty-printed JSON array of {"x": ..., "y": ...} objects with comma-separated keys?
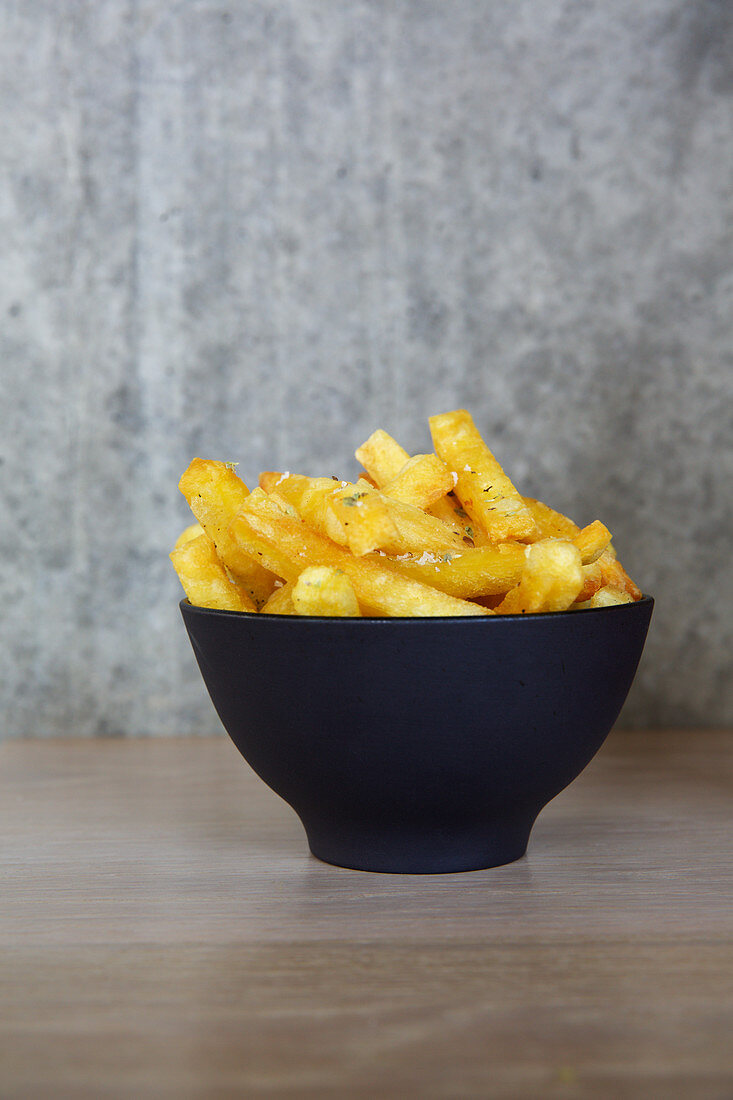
[{"x": 257, "y": 231}]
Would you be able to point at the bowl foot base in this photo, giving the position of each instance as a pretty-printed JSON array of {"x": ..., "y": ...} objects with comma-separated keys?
[{"x": 439, "y": 852}]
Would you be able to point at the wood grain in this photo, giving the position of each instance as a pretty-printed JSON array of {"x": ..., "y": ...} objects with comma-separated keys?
[{"x": 164, "y": 932}]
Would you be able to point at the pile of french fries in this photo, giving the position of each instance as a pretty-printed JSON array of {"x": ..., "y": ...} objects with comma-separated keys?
[{"x": 437, "y": 534}]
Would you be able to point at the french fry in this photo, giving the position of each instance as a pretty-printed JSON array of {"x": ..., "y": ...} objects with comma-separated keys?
[
  {"x": 382, "y": 457},
  {"x": 215, "y": 495},
  {"x": 591, "y": 540},
  {"x": 315, "y": 509},
  {"x": 288, "y": 547},
  {"x": 350, "y": 515},
  {"x": 272, "y": 557},
  {"x": 483, "y": 488},
  {"x": 417, "y": 531},
  {"x": 592, "y": 581},
  {"x": 609, "y": 596},
  {"x": 280, "y": 602},
  {"x": 550, "y": 523},
  {"x": 294, "y": 487},
  {"x": 615, "y": 576},
  {"x": 551, "y": 581},
  {"x": 450, "y": 512},
  {"x": 475, "y": 571},
  {"x": 204, "y": 578},
  {"x": 422, "y": 481},
  {"x": 270, "y": 479},
  {"x": 364, "y": 516},
  {"x": 283, "y": 504},
  {"x": 366, "y": 519},
  {"x": 322, "y": 590},
  {"x": 310, "y": 497},
  {"x": 214, "y": 492}
]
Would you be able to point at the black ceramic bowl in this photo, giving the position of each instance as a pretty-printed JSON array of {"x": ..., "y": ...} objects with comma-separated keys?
[{"x": 419, "y": 745}]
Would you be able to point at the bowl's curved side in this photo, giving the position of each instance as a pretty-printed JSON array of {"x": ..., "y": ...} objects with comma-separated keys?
[{"x": 418, "y": 744}]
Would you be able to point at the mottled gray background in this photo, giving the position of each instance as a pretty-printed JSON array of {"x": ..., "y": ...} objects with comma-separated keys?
[{"x": 256, "y": 231}]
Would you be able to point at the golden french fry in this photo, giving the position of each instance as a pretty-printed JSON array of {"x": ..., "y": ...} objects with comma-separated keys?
[
  {"x": 281, "y": 601},
  {"x": 289, "y": 546},
  {"x": 293, "y": 487},
  {"x": 310, "y": 497},
  {"x": 448, "y": 509},
  {"x": 551, "y": 581},
  {"x": 283, "y": 504},
  {"x": 284, "y": 565},
  {"x": 382, "y": 457},
  {"x": 422, "y": 481},
  {"x": 483, "y": 488},
  {"x": 615, "y": 576},
  {"x": 270, "y": 479},
  {"x": 594, "y": 544},
  {"x": 364, "y": 518},
  {"x": 550, "y": 523},
  {"x": 350, "y": 515},
  {"x": 213, "y": 489},
  {"x": 215, "y": 495},
  {"x": 591, "y": 541},
  {"x": 287, "y": 564},
  {"x": 204, "y": 578},
  {"x": 322, "y": 590},
  {"x": 592, "y": 581},
  {"x": 609, "y": 596},
  {"x": 188, "y": 534},
  {"x": 417, "y": 532},
  {"x": 315, "y": 509},
  {"x": 475, "y": 571}
]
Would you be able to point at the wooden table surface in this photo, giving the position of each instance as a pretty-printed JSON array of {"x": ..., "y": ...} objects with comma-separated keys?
[{"x": 164, "y": 932}]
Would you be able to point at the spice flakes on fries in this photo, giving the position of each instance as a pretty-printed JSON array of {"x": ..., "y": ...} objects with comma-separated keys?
[{"x": 423, "y": 535}]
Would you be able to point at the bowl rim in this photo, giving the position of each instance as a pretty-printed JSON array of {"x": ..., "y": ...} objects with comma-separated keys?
[{"x": 535, "y": 616}]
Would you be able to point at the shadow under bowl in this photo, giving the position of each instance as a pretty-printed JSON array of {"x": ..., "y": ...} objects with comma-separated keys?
[{"x": 419, "y": 745}]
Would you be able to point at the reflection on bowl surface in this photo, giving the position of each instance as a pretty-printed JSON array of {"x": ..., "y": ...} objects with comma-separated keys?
[{"x": 419, "y": 745}]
